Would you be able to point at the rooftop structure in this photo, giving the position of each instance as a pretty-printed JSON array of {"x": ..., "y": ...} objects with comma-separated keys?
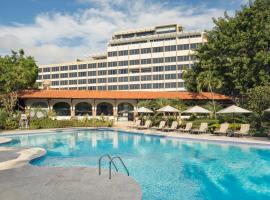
[{"x": 151, "y": 59}]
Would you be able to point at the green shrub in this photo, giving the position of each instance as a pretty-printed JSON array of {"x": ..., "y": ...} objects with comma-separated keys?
[
  {"x": 50, "y": 123},
  {"x": 3, "y": 117}
]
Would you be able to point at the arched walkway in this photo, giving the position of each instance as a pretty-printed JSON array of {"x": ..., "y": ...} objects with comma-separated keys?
[
  {"x": 62, "y": 109},
  {"x": 125, "y": 111},
  {"x": 83, "y": 109},
  {"x": 104, "y": 109},
  {"x": 39, "y": 109}
]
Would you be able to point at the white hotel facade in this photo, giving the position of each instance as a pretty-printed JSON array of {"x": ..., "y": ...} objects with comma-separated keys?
[{"x": 150, "y": 59}]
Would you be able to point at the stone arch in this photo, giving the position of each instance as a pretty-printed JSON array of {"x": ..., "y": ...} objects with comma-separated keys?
[
  {"x": 105, "y": 108},
  {"x": 83, "y": 108},
  {"x": 125, "y": 111},
  {"x": 62, "y": 109}
]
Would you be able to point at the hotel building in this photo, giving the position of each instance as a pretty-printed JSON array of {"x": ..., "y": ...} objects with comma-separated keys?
[{"x": 150, "y": 59}]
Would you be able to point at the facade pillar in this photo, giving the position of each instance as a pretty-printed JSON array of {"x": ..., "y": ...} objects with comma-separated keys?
[
  {"x": 94, "y": 110},
  {"x": 115, "y": 110},
  {"x": 72, "y": 109}
]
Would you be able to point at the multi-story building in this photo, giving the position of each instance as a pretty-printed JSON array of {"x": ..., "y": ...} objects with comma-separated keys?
[{"x": 144, "y": 59}]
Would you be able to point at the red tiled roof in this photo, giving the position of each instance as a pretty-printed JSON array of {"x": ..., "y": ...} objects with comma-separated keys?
[{"x": 90, "y": 94}]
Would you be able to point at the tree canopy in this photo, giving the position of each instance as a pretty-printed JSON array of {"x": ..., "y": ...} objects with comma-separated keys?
[
  {"x": 17, "y": 72},
  {"x": 237, "y": 52}
]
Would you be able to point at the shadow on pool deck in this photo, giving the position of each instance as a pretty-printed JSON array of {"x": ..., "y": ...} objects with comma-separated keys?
[{"x": 60, "y": 183}]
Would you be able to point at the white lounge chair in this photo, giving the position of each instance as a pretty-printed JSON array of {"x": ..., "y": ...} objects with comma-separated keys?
[
  {"x": 173, "y": 126},
  {"x": 136, "y": 124},
  {"x": 244, "y": 130},
  {"x": 161, "y": 125},
  {"x": 223, "y": 130},
  {"x": 203, "y": 129},
  {"x": 187, "y": 129},
  {"x": 146, "y": 125}
]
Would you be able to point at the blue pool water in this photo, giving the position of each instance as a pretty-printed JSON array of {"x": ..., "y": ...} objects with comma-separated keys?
[{"x": 166, "y": 168}]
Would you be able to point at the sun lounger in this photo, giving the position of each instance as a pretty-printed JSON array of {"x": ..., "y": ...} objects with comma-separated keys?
[
  {"x": 222, "y": 130},
  {"x": 136, "y": 124},
  {"x": 187, "y": 129},
  {"x": 161, "y": 125},
  {"x": 203, "y": 129},
  {"x": 173, "y": 127},
  {"x": 146, "y": 125},
  {"x": 244, "y": 130}
]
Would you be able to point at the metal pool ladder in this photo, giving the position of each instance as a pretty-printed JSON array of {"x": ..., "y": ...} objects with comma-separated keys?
[{"x": 111, "y": 162}]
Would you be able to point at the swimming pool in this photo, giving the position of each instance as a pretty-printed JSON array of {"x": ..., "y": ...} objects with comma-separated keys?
[{"x": 166, "y": 168}]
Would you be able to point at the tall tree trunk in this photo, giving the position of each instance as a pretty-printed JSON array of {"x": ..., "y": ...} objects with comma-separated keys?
[{"x": 213, "y": 100}]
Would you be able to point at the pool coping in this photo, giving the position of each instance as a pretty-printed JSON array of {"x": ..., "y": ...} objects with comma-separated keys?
[{"x": 173, "y": 135}]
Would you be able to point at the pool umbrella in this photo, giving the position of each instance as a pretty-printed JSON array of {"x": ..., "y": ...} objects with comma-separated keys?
[
  {"x": 144, "y": 110},
  {"x": 234, "y": 110},
  {"x": 168, "y": 109},
  {"x": 267, "y": 110},
  {"x": 197, "y": 109}
]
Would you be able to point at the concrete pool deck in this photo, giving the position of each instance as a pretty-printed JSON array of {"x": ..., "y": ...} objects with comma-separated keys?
[{"x": 23, "y": 181}]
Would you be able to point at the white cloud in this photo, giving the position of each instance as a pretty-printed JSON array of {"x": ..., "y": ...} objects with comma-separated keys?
[{"x": 48, "y": 38}]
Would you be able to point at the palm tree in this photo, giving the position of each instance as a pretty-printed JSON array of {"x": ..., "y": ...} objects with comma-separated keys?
[{"x": 209, "y": 81}]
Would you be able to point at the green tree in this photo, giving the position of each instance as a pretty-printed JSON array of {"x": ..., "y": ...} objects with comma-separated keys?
[
  {"x": 258, "y": 101},
  {"x": 17, "y": 72},
  {"x": 208, "y": 81},
  {"x": 237, "y": 51}
]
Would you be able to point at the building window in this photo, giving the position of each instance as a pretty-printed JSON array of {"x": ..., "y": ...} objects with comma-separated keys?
[
  {"x": 146, "y": 86},
  {"x": 112, "y": 87},
  {"x": 92, "y": 66},
  {"x": 180, "y": 84},
  {"x": 123, "y": 53},
  {"x": 73, "y": 88},
  {"x": 145, "y": 50},
  {"x": 92, "y": 81},
  {"x": 112, "y": 64},
  {"x": 72, "y": 82},
  {"x": 93, "y": 73},
  {"x": 73, "y": 67},
  {"x": 123, "y": 79},
  {"x": 123, "y": 87},
  {"x": 179, "y": 75},
  {"x": 102, "y": 80},
  {"x": 183, "y": 47},
  {"x": 64, "y": 75},
  {"x": 64, "y": 82},
  {"x": 55, "y": 76},
  {"x": 82, "y": 74},
  {"x": 82, "y": 66},
  {"x": 64, "y": 68},
  {"x": 46, "y": 69},
  {"x": 134, "y": 78},
  {"x": 170, "y": 59},
  {"x": 112, "y": 80},
  {"x": 134, "y": 86},
  {"x": 146, "y": 61},
  {"x": 134, "y": 62},
  {"x": 103, "y": 87},
  {"x": 170, "y": 68},
  {"x": 158, "y": 60},
  {"x": 92, "y": 87},
  {"x": 102, "y": 72},
  {"x": 82, "y": 81},
  {"x": 170, "y": 48},
  {"x": 112, "y": 72},
  {"x": 183, "y": 66},
  {"x": 134, "y": 71},
  {"x": 123, "y": 63},
  {"x": 183, "y": 58},
  {"x": 170, "y": 76},
  {"x": 101, "y": 65},
  {"x": 55, "y": 83},
  {"x": 112, "y": 54},
  {"x": 146, "y": 78},
  {"x": 170, "y": 85},
  {"x": 123, "y": 71},
  {"x": 55, "y": 69},
  {"x": 158, "y": 77},
  {"x": 39, "y": 77},
  {"x": 73, "y": 74},
  {"x": 158, "y": 69},
  {"x": 158, "y": 85},
  {"x": 134, "y": 51},
  {"x": 145, "y": 70},
  {"x": 47, "y": 76},
  {"x": 157, "y": 49}
]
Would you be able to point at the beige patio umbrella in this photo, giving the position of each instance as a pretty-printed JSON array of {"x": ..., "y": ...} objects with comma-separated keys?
[
  {"x": 197, "y": 109},
  {"x": 144, "y": 110},
  {"x": 234, "y": 110},
  {"x": 168, "y": 109}
]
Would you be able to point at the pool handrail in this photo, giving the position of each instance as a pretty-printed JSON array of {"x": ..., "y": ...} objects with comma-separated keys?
[
  {"x": 110, "y": 165},
  {"x": 99, "y": 162}
]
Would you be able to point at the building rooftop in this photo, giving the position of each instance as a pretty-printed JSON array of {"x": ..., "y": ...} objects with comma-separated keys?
[{"x": 138, "y": 95}]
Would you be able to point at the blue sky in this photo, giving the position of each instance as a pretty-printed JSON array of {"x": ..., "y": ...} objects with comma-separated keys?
[{"x": 63, "y": 30}]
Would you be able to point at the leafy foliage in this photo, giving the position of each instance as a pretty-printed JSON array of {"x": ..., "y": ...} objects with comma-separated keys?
[{"x": 237, "y": 52}]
